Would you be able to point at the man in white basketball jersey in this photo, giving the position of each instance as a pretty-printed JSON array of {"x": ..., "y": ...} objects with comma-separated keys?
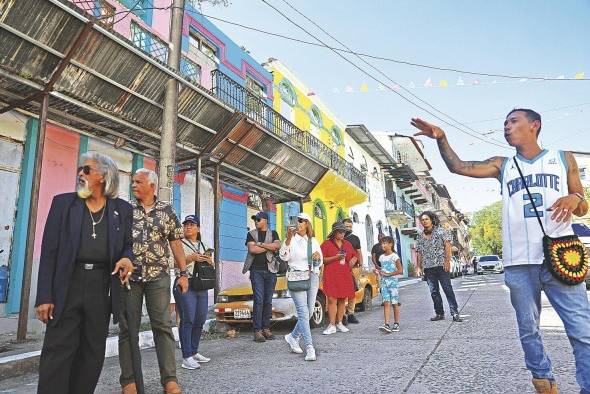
[{"x": 554, "y": 182}]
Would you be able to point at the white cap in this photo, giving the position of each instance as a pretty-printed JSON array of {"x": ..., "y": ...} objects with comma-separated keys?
[{"x": 305, "y": 216}]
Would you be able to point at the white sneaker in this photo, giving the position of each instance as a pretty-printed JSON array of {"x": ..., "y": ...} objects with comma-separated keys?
[
  {"x": 190, "y": 363},
  {"x": 341, "y": 327},
  {"x": 310, "y": 356},
  {"x": 200, "y": 358},
  {"x": 293, "y": 343},
  {"x": 331, "y": 329}
]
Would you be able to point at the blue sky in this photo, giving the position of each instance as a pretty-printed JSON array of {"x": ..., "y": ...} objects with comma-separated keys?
[{"x": 531, "y": 38}]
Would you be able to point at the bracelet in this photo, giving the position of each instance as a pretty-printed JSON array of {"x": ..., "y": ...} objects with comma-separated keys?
[
  {"x": 183, "y": 273},
  {"x": 580, "y": 196}
]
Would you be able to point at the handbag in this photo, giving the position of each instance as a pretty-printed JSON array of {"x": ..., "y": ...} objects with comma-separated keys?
[
  {"x": 300, "y": 280},
  {"x": 565, "y": 257},
  {"x": 281, "y": 265},
  {"x": 203, "y": 276}
]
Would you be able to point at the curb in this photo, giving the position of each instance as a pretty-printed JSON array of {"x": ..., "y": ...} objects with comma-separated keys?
[{"x": 409, "y": 282}]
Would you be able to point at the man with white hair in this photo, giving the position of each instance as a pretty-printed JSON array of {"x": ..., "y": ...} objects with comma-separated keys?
[
  {"x": 156, "y": 230},
  {"x": 87, "y": 236}
]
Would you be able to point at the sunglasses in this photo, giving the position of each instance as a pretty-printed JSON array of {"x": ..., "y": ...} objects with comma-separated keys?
[
  {"x": 257, "y": 220},
  {"x": 85, "y": 169},
  {"x": 299, "y": 220}
]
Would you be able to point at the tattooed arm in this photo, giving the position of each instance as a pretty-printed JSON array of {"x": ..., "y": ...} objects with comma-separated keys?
[{"x": 490, "y": 168}]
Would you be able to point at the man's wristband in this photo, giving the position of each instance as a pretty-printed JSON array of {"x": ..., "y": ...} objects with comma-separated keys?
[{"x": 580, "y": 196}]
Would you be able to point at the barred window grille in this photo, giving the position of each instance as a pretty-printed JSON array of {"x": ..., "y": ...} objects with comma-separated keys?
[
  {"x": 190, "y": 69},
  {"x": 149, "y": 43}
]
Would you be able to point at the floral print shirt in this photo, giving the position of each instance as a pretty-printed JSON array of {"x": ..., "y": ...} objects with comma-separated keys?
[
  {"x": 151, "y": 233},
  {"x": 433, "y": 248}
]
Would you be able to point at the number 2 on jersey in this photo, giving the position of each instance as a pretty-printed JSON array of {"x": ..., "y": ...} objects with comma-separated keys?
[{"x": 529, "y": 211}]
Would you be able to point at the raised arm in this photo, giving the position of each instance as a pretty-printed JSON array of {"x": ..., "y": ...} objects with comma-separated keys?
[{"x": 490, "y": 168}]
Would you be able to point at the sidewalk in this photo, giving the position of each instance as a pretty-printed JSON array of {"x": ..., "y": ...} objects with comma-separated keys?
[{"x": 22, "y": 357}]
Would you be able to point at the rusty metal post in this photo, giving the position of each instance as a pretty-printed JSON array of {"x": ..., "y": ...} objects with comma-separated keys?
[
  {"x": 170, "y": 114},
  {"x": 23, "y": 316},
  {"x": 198, "y": 187},
  {"x": 301, "y": 205},
  {"x": 216, "y": 225}
]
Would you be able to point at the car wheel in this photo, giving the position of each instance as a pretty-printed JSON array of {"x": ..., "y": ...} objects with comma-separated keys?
[
  {"x": 319, "y": 312},
  {"x": 367, "y": 303}
]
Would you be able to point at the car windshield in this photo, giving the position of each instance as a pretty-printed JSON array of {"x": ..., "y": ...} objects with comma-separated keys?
[{"x": 489, "y": 258}]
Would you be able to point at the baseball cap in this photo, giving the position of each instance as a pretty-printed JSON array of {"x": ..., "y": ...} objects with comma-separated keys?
[
  {"x": 305, "y": 216},
  {"x": 192, "y": 218},
  {"x": 260, "y": 215}
]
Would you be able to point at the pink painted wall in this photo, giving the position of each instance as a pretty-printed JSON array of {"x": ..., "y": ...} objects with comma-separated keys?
[
  {"x": 150, "y": 164},
  {"x": 58, "y": 173}
]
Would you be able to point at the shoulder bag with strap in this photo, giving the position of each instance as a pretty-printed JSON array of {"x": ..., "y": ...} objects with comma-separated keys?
[
  {"x": 203, "y": 273},
  {"x": 301, "y": 280},
  {"x": 565, "y": 257}
]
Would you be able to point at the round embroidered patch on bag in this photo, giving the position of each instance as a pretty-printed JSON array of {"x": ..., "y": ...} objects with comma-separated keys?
[{"x": 567, "y": 258}]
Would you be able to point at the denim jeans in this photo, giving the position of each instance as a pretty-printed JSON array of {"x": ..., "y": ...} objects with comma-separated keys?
[
  {"x": 192, "y": 309},
  {"x": 304, "y": 304},
  {"x": 571, "y": 304},
  {"x": 433, "y": 277},
  {"x": 263, "y": 287}
]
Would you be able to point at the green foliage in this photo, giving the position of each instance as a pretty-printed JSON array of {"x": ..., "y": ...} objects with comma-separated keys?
[
  {"x": 411, "y": 269},
  {"x": 486, "y": 230}
]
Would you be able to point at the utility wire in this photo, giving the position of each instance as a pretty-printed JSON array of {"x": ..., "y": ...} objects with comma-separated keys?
[
  {"x": 477, "y": 136},
  {"x": 367, "y": 55}
]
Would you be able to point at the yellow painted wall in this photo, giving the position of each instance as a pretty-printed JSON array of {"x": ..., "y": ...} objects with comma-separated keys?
[{"x": 332, "y": 191}]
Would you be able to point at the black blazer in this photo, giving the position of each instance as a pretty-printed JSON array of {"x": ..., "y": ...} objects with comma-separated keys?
[{"x": 59, "y": 249}]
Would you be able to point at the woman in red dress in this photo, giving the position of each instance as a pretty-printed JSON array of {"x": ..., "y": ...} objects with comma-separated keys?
[{"x": 339, "y": 258}]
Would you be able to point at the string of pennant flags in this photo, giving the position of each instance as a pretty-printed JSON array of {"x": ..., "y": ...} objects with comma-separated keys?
[{"x": 431, "y": 83}]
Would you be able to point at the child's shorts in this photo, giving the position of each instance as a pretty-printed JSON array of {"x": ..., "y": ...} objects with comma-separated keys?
[{"x": 389, "y": 291}]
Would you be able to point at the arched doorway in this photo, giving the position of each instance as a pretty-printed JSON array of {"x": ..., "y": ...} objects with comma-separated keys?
[
  {"x": 319, "y": 220},
  {"x": 369, "y": 230}
]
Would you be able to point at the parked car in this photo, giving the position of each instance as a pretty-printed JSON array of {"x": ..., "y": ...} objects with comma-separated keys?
[
  {"x": 455, "y": 267},
  {"x": 234, "y": 305},
  {"x": 489, "y": 264}
]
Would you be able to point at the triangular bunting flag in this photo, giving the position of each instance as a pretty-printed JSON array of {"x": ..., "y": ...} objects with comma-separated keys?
[
  {"x": 460, "y": 82},
  {"x": 364, "y": 88},
  {"x": 428, "y": 83},
  {"x": 443, "y": 84},
  {"x": 579, "y": 75}
]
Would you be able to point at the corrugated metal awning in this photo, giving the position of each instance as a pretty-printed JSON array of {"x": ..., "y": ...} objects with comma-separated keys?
[
  {"x": 362, "y": 136},
  {"x": 111, "y": 89}
]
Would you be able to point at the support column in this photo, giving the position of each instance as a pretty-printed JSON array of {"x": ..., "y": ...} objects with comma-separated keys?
[
  {"x": 198, "y": 187},
  {"x": 23, "y": 317},
  {"x": 216, "y": 207}
]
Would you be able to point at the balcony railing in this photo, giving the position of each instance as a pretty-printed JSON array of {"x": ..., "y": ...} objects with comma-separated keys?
[
  {"x": 397, "y": 204},
  {"x": 243, "y": 100}
]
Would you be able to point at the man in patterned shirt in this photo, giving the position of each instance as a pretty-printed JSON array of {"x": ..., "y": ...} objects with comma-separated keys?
[
  {"x": 156, "y": 230},
  {"x": 433, "y": 248}
]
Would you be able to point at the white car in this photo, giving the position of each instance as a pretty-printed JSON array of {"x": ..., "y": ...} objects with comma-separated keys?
[{"x": 489, "y": 264}]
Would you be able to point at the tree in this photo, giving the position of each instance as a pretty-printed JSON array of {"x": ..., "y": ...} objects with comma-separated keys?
[{"x": 486, "y": 231}]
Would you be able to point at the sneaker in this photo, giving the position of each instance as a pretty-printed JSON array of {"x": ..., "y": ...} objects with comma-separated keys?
[
  {"x": 259, "y": 337},
  {"x": 385, "y": 328},
  {"x": 190, "y": 363},
  {"x": 201, "y": 359},
  {"x": 294, "y": 344},
  {"x": 437, "y": 318},
  {"x": 340, "y": 327},
  {"x": 331, "y": 329},
  {"x": 310, "y": 353},
  {"x": 457, "y": 318},
  {"x": 395, "y": 327},
  {"x": 352, "y": 319},
  {"x": 268, "y": 335},
  {"x": 345, "y": 320}
]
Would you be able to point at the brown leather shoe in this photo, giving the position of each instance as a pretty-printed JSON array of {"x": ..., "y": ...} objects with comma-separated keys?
[
  {"x": 259, "y": 337},
  {"x": 545, "y": 386},
  {"x": 172, "y": 388},
  {"x": 129, "y": 389},
  {"x": 268, "y": 334}
]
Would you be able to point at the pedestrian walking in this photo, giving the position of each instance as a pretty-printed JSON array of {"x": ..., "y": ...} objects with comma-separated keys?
[
  {"x": 536, "y": 185},
  {"x": 377, "y": 251},
  {"x": 156, "y": 230},
  {"x": 349, "y": 317},
  {"x": 262, "y": 243},
  {"x": 193, "y": 305},
  {"x": 86, "y": 251},
  {"x": 391, "y": 266},
  {"x": 302, "y": 253},
  {"x": 433, "y": 247},
  {"x": 339, "y": 258}
]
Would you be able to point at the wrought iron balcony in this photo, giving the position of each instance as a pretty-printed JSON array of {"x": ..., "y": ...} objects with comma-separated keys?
[
  {"x": 398, "y": 208},
  {"x": 243, "y": 100}
]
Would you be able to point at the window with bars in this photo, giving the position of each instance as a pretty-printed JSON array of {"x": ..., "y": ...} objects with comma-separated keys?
[
  {"x": 105, "y": 14},
  {"x": 149, "y": 43},
  {"x": 318, "y": 212},
  {"x": 141, "y": 8},
  {"x": 190, "y": 70}
]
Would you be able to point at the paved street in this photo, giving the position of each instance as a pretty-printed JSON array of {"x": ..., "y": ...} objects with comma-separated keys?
[{"x": 482, "y": 354}]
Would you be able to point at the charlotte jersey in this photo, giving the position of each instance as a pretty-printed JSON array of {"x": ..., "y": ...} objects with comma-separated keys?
[{"x": 546, "y": 177}]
